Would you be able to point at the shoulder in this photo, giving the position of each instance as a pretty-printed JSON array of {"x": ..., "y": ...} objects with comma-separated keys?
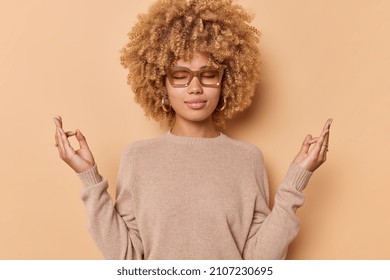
[
  {"x": 244, "y": 147},
  {"x": 140, "y": 145}
]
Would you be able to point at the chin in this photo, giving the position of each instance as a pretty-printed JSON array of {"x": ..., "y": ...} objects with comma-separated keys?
[
  {"x": 201, "y": 116},
  {"x": 196, "y": 117}
]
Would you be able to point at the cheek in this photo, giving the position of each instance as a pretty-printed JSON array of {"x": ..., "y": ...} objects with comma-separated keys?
[
  {"x": 214, "y": 99},
  {"x": 175, "y": 95}
]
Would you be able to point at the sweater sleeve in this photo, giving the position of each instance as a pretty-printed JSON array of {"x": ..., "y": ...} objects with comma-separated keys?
[
  {"x": 112, "y": 226},
  {"x": 271, "y": 232}
]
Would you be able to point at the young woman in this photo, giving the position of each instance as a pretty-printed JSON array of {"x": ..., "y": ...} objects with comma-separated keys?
[{"x": 192, "y": 193}]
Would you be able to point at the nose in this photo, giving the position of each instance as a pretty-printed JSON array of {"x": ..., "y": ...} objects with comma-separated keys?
[{"x": 195, "y": 87}]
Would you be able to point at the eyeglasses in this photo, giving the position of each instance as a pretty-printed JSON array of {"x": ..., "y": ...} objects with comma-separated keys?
[{"x": 180, "y": 76}]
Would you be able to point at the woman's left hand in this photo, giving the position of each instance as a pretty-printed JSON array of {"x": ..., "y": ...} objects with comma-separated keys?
[{"x": 312, "y": 159}]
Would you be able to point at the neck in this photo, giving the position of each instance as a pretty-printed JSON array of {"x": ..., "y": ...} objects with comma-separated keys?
[{"x": 195, "y": 129}]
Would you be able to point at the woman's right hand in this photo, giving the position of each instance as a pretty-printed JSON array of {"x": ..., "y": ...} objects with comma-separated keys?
[{"x": 80, "y": 160}]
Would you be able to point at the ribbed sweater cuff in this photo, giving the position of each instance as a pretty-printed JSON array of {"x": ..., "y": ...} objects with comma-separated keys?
[
  {"x": 90, "y": 177},
  {"x": 298, "y": 176}
]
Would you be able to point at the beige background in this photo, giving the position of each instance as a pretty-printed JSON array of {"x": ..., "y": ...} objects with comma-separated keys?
[{"x": 322, "y": 59}]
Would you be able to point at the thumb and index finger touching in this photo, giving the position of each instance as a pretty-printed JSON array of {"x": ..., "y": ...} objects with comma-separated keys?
[
  {"x": 79, "y": 136},
  {"x": 306, "y": 144},
  {"x": 323, "y": 139}
]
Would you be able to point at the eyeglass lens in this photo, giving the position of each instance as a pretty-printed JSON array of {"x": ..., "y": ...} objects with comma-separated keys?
[{"x": 183, "y": 76}]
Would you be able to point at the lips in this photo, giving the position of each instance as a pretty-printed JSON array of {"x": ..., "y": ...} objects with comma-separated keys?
[{"x": 196, "y": 103}]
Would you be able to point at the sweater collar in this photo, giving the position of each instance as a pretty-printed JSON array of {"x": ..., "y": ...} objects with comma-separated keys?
[{"x": 194, "y": 140}]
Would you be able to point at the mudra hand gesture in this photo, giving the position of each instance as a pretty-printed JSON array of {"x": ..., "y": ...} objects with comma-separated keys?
[
  {"x": 312, "y": 159},
  {"x": 82, "y": 159},
  {"x": 79, "y": 160}
]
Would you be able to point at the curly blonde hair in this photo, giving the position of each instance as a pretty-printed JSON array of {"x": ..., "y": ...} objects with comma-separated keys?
[{"x": 177, "y": 29}]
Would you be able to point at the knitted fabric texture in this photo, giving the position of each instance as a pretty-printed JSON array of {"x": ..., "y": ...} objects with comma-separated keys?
[{"x": 193, "y": 198}]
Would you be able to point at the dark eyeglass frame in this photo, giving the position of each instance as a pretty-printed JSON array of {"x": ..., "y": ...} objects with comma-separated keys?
[{"x": 193, "y": 74}]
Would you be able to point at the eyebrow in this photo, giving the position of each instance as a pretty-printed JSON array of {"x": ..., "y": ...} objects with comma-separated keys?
[{"x": 202, "y": 67}]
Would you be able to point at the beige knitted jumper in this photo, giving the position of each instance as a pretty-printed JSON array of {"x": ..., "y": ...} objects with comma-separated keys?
[{"x": 193, "y": 198}]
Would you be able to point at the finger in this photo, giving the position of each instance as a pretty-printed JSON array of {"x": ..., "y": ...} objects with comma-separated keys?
[
  {"x": 59, "y": 119},
  {"x": 327, "y": 124},
  {"x": 326, "y": 139},
  {"x": 56, "y": 137},
  {"x": 325, "y": 144},
  {"x": 317, "y": 147},
  {"x": 60, "y": 145},
  {"x": 82, "y": 141},
  {"x": 70, "y": 133},
  {"x": 305, "y": 146},
  {"x": 313, "y": 140},
  {"x": 67, "y": 148},
  {"x": 323, "y": 151},
  {"x": 325, "y": 133},
  {"x": 57, "y": 122}
]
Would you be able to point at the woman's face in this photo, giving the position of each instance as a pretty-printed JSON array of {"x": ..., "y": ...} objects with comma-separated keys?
[{"x": 192, "y": 101}]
